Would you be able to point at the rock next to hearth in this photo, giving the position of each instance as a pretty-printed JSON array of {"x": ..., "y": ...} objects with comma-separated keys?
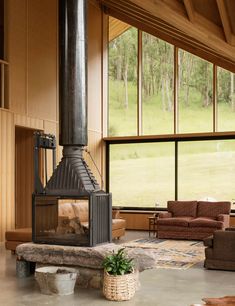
[
  {"x": 65, "y": 255},
  {"x": 86, "y": 259}
]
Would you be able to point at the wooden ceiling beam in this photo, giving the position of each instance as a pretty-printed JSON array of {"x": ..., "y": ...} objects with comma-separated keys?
[
  {"x": 160, "y": 10},
  {"x": 190, "y": 10},
  {"x": 180, "y": 41},
  {"x": 225, "y": 22},
  {"x": 209, "y": 26},
  {"x": 140, "y": 18}
]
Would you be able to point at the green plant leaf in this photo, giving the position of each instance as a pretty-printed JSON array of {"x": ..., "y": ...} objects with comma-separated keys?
[{"x": 118, "y": 263}]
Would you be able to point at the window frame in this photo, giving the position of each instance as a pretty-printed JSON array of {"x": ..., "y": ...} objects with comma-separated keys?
[
  {"x": 175, "y": 137},
  {"x": 155, "y": 139}
]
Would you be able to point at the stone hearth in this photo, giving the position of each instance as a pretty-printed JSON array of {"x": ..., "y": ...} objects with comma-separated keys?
[{"x": 88, "y": 260}]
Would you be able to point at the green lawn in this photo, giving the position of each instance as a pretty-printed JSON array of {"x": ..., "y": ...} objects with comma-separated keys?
[
  {"x": 143, "y": 174},
  {"x": 146, "y": 181},
  {"x": 156, "y": 120}
]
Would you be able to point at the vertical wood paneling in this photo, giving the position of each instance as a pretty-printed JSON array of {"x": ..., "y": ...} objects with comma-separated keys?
[
  {"x": 104, "y": 102},
  {"x": 24, "y": 181},
  {"x": 94, "y": 68},
  {"x": 7, "y": 210},
  {"x": 42, "y": 58},
  {"x": 31, "y": 35},
  {"x": 95, "y": 87},
  {"x": 28, "y": 122},
  {"x": 17, "y": 53}
]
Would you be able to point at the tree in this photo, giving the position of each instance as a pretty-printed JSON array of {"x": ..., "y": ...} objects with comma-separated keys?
[
  {"x": 232, "y": 93},
  {"x": 123, "y": 61}
]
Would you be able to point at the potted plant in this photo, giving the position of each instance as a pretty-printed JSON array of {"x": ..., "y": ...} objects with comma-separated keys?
[{"x": 119, "y": 276}]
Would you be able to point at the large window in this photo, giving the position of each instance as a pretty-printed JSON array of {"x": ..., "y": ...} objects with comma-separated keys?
[
  {"x": 157, "y": 86},
  {"x": 195, "y": 80},
  {"x": 142, "y": 175},
  {"x": 177, "y": 102},
  {"x": 123, "y": 84},
  {"x": 206, "y": 170},
  {"x": 150, "y": 174},
  {"x": 226, "y": 100}
]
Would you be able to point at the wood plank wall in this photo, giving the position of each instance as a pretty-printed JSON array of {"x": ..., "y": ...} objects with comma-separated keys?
[
  {"x": 31, "y": 44},
  {"x": 32, "y": 56},
  {"x": 7, "y": 205},
  {"x": 95, "y": 94},
  {"x": 24, "y": 176}
]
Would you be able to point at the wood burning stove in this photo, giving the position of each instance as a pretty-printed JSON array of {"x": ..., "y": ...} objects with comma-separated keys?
[
  {"x": 72, "y": 221},
  {"x": 72, "y": 181}
]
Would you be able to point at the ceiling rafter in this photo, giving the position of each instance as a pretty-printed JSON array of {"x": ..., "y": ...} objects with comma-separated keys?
[
  {"x": 159, "y": 9},
  {"x": 225, "y": 22},
  {"x": 190, "y": 10},
  {"x": 168, "y": 20}
]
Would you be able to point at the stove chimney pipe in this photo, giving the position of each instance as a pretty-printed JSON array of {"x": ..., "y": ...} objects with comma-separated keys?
[{"x": 72, "y": 73}]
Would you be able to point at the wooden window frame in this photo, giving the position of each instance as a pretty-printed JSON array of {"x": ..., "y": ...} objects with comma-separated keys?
[
  {"x": 175, "y": 137},
  {"x": 156, "y": 139}
]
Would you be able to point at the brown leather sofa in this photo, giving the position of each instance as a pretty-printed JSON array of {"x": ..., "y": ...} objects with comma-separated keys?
[
  {"x": 67, "y": 213},
  {"x": 193, "y": 219},
  {"x": 220, "y": 251}
]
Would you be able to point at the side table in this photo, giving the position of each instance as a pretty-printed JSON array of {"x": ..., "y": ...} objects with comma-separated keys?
[{"x": 153, "y": 224}]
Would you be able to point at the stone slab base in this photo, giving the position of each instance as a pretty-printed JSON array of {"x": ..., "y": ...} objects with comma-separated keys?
[{"x": 88, "y": 260}]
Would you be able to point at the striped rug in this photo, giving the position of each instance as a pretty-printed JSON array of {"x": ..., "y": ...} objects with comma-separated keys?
[{"x": 171, "y": 254}]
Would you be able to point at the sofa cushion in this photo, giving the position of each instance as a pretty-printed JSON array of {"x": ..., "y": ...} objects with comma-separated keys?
[
  {"x": 176, "y": 221},
  {"x": 202, "y": 229},
  {"x": 172, "y": 228},
  {"x": 66, "y": 210},
  {"x": 182, "y": 208},
  {"x": 85, "y": 224},
  {"x": 189, "y": 230},
  {"x": 205, "y": 222},
  {"x": 20, "y": 234},
  {"x": 81, "y": 210},
  {"x": 115, "y": 214},
  {"x": 118, "y": 223},
  {"x": 213, "y": 209},
  {"x": 165, "y": 215}
]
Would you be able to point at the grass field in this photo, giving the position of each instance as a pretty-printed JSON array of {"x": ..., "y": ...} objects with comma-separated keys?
[
  {"x": 147, "y": 181},
  {"x": 192, "y": 119},
  {"x": 143, "y": 174}
]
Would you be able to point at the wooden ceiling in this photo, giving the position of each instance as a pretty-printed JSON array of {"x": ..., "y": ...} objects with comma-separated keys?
[
  {"x": 116, "y": 27},
  {"x": 203, "y": 27}
]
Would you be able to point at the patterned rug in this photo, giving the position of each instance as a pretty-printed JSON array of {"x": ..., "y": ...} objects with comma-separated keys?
[{"x": 171, "y": 254}]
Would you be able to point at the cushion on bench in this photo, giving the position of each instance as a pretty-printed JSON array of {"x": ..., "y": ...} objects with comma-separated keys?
[{"x": 21, "y": 234}]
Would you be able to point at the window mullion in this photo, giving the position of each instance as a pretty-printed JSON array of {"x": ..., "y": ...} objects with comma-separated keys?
[
  {"x": 176, "y": 71},
  {"x": 139, "y": 87},
  {"x": 215, "y": 118}
]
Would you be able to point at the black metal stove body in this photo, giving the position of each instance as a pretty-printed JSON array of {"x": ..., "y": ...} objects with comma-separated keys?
[
  {"x": 71, "y": 209},
  {"x": 57, "y": 219}
]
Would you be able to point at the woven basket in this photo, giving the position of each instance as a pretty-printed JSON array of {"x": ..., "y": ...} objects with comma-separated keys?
[{"x": 120, "y": 287}]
